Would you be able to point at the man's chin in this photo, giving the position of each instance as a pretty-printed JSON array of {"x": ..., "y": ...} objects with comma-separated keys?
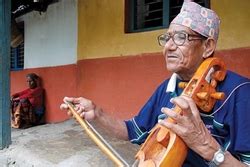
[{"x": 173, "y": 69}]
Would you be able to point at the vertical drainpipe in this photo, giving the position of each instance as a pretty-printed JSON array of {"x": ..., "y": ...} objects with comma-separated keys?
[{"x": 5, "y": 129}]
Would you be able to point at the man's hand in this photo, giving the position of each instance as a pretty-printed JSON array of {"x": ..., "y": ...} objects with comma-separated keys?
[
  {"x": 189, "y": 126},
  {"x": 84, "y": 107},
  {"x": 89, "y": 111}
]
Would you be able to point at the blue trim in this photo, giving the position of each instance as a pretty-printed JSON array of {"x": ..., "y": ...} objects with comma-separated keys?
[
  {"x": 218, "y": 125},
  {"x": 136, "y": 128},
  {"x": 245, "y": 158},
  {"x": 226, "y": 145},
  {"x": 140, "y": 138},
  {"x": 5, "y": 18},
  {"x": 166, "y": 5}
]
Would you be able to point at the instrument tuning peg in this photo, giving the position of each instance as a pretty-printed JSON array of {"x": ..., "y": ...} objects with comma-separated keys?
[
  {"x": 205, "y": 95},
  {"x": 218, "y": 95},
  {"x": 202, "y": 95},
  {"x": 182, "y": 85}
]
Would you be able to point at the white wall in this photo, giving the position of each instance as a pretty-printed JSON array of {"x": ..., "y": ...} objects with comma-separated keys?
[{"x": 51, "y": 37}]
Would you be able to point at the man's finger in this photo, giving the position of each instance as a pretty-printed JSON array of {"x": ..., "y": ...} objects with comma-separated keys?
[
  {"x": 70, "y": 113},
  {"x": 172, "y": 126},
  {"x": 183, "y": 104},
  {"x": 171, "y": 113},
  {"x": 64, "y": 106},
  {"x": 77, "y": 100},
  {"x": 192, "y": 106}
]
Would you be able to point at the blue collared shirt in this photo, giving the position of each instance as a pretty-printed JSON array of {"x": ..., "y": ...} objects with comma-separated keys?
[{"x": 228, "y": 122}]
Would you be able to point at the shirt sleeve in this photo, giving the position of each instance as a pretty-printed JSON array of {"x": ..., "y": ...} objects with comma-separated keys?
[
  {"x": 242, "y": 135},
  {"x": 20, "y": 93},
  {"x": 241, "y": 131},
  {"x": 231, "y": 117},
  {"x": 31, "y": 93},
  {"x": 240, "y": 124},
  {"x": 139, "y": 126}
]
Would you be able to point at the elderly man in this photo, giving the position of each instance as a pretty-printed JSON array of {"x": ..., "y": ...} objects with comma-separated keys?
[{"x": 220, "y": 138}]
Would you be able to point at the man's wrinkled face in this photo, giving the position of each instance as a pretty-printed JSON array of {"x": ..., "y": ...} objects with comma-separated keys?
[
  {"x": 183, "y": 59},
  {"x": 31, "y": 83}
]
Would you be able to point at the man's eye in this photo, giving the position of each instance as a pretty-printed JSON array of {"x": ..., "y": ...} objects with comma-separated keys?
[
  {"x": 163, "y": 38},
  {"x": 181, "y": 36}
]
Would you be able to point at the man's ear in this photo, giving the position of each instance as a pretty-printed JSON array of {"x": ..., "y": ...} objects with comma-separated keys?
[{"x": 209, "y": 47}]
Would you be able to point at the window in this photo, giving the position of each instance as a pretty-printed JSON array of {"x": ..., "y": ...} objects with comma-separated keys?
[
  {"x": 17, "y": 57},
  {"x": 17, "y": 45},
  {"x": 145, "y": 15}
]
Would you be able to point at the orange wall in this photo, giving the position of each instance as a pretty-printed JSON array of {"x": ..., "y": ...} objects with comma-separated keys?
[
  {"x": 122, "y": 78},
  {"x": 237, "y": 60},
  {"x": 120, "y": 85}
]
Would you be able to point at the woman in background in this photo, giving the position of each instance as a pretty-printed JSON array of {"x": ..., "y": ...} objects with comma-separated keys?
[{"x": 28, "y": 105}]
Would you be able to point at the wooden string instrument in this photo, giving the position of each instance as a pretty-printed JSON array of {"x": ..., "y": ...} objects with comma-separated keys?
[
  {"x": 164, "y": 148},
  {"x": 97, "y": 138}
]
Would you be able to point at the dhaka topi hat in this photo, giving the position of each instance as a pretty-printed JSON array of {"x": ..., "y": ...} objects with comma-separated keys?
[{"x": 199, "y": 19}]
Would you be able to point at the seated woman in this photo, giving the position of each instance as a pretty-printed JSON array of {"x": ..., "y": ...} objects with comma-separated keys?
[{"x": 28, "y": 106}]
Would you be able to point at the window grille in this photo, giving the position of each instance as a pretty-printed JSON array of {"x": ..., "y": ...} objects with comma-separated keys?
[
  {"x": 17, "y": 57},
  {"x": 144, "y": 15}
]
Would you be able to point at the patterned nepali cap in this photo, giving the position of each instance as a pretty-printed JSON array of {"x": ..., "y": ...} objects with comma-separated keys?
[{"x": 199, "y": 19}]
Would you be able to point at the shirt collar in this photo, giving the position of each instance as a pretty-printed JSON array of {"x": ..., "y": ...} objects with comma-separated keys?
[{"x": 172, "y": 83}]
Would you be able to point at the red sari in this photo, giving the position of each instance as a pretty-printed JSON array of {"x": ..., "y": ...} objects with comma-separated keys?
[{"x": 29, "y": 109}]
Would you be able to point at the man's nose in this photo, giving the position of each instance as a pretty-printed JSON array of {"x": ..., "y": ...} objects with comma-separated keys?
[{"x": 170, "y": 45}]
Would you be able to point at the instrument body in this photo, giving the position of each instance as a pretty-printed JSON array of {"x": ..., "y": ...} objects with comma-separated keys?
[{"x": 163, "y": 147}]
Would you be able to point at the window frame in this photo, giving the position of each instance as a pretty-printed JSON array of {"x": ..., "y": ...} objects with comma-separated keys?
[
  {"x": 130, "y": 16},
  {"x": 16, "y": 55}
]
